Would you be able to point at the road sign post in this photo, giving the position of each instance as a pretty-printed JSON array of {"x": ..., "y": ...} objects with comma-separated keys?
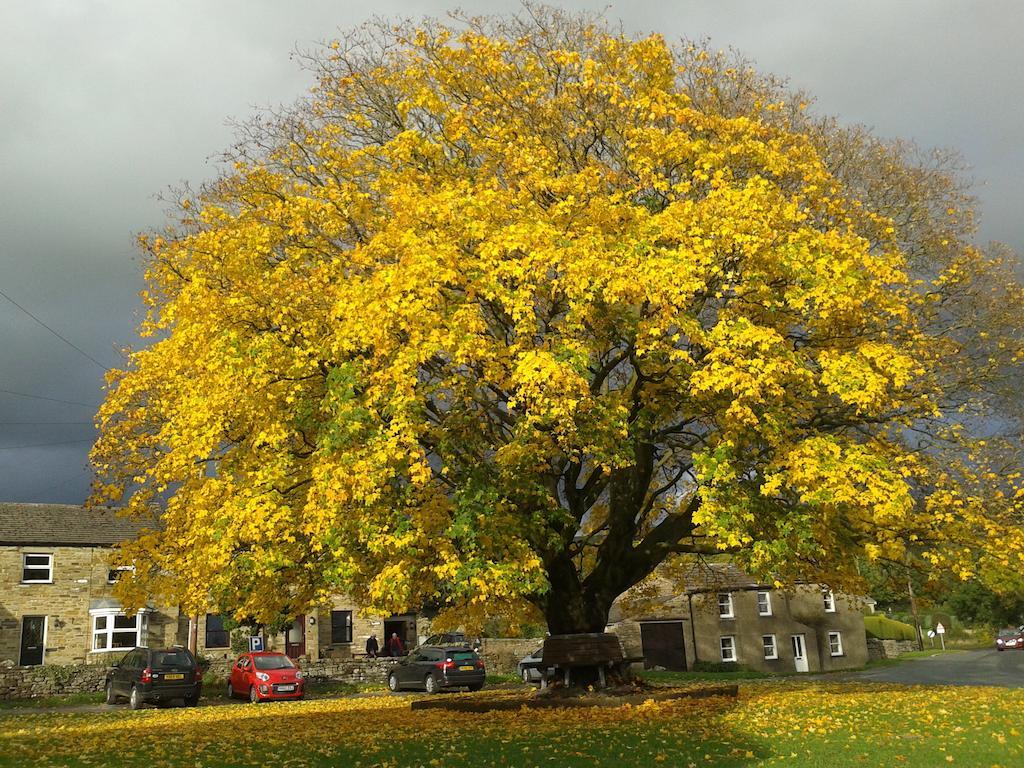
[{"x": 941, "y": 632}]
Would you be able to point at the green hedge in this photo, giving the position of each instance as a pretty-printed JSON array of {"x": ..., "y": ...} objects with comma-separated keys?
[{"x": 885, "y": 628}]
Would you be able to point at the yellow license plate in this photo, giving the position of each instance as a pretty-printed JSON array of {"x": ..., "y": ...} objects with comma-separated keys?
[
  {"x": 466, "y": 669},
  {"x": 174, "y": 677}
]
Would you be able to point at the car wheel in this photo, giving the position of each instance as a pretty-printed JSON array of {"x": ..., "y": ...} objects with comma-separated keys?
[
  {"x": 191, "y": 701},
  {"x": 112, "y": 698},
  {"x": 476, "y": 686},
  {"x": 430, "y": 684},
  {"x": 231, "y": 690},
  {"x": 393, "y": 681},
  {"x": 254, "y": 698},
  {"x": 135, "y": 698}
]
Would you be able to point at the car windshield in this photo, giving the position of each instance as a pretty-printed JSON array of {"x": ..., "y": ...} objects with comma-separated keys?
[
  {"x": 1007, "y": 633},
  {"x": 174, "y": 658},
  {"x": 273, "y": 662}
]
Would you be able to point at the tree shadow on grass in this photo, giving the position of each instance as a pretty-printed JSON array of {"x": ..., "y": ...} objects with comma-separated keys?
[{"x": 375, "y": 732}]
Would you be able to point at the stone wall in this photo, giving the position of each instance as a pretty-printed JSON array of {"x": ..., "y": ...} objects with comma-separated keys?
[
  {"x": 502, "y": 654},
  {"x": 50, "y": 680},
  {"x": 889, "y": 649},
  {"x": 55, "y": 680}
]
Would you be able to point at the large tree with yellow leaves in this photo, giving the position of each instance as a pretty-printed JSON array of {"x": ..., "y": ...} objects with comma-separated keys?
[{"x": 516, "y": 311}]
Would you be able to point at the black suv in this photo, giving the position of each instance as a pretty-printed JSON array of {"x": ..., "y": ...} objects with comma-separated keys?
[
  {"x": 431, "y": 668},
  {"x": 157, "y": 675}
]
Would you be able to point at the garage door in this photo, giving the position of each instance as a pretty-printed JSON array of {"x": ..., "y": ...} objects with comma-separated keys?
[{"x": 662, "y": 643}]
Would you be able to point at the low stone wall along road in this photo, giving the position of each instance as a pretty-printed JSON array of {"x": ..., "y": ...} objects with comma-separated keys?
[{"x": 990, "y": 667}]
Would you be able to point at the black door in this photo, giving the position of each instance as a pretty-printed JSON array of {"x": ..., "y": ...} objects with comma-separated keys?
[
  {"x": 33, "y": 628},
  {"x": 662, "y": 643}
]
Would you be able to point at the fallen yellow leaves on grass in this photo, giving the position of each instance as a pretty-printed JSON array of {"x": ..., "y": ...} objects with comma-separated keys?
[{"x": 770, "y": 724}]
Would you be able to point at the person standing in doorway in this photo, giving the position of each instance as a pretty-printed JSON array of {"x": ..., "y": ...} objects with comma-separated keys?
[
  {"x": 395, "y": 646},
  {"x": 372, "y": 647}
]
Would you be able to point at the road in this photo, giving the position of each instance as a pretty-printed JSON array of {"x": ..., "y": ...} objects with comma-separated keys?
[{"x": 988, "y": 667}]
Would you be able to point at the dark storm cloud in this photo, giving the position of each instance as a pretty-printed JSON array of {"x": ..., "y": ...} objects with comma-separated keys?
[{"x": 105, "y": 104}]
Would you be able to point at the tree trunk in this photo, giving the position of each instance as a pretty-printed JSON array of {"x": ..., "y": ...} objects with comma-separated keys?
[{"x": 568, "y": 607}]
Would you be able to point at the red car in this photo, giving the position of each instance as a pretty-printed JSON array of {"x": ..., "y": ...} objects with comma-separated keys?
[{"x": 265, "y": 676}]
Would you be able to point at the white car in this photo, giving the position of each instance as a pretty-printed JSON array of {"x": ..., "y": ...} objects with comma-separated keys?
[{"x": 529, "y": 673}]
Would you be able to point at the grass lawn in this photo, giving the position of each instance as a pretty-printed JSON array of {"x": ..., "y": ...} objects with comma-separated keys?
[{"x": 778, "y": 723}]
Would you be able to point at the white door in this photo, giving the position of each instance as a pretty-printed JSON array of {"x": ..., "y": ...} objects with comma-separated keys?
[{"x": 799, "y": 653}]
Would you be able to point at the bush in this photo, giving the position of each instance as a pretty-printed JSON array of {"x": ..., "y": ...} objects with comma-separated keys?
[{"x": 885, "y": 628}]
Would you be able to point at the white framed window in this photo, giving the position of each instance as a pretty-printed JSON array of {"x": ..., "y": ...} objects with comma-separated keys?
[
  {"x": 728, "y": 645},
  {"x": 771, "y": 649},
  {"x": 835, "y": 643},
  {"x": 114, "y": 574},
  {"x": 829, "y": 601},
  {"x": 37, "y": 568},
  {"x": 114, "y": 631},
  {"x": 725, "y": 610},
  {"x": 764, "y": 604}
]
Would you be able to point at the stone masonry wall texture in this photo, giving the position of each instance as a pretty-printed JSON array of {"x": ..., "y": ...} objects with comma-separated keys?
[{"x": 55, "y": 680}]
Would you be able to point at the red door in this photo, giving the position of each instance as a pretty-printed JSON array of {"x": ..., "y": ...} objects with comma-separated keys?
[{"x": 295, "y": 638}]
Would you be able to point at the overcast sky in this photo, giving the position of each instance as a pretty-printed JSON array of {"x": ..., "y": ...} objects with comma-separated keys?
[{"x": 105, "y": 104}]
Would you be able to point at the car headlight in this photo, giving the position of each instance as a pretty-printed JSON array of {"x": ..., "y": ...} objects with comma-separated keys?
[
  {"x": 298, "y": 675},
  {"x": 262, "y": 676}
]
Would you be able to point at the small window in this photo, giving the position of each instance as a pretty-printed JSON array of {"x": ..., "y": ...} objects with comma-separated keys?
[
  {"x": 37, "y": 569},
  {"x": 341, "y": 627},
  {"x": 114, "y": 574},
  {"x": 829, "y": 601},
  {"x": 725, "y": 605},
  {"x": 216, "y": 635},
  {"x": 728, "y": 644},
  {"x": 764, "y": 604},
  {"x": 771, "y": 651},
  {"x": 835, "y": 643}
]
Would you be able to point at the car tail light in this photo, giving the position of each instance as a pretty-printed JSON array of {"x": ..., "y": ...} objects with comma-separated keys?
[
  {"x": 444, "y": 666},
  {"x": 147, "y": 676},
  {"x": 480, "y": 664},
  {"x": 199, "y": 675}
]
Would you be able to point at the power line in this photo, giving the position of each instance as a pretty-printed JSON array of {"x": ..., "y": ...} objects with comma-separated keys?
[
  {"x": 55, "y": 333},
  {"x": 50, "y": 399},
  {"x": 42, "y": 445},
  {"x": 43, "y": 423}
]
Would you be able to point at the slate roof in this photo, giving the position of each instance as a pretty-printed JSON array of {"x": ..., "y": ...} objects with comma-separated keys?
[
  {"x": 719, "y": 577},
  {"x": 64, "y": 525},
  {"x": 669, "y": 598}
]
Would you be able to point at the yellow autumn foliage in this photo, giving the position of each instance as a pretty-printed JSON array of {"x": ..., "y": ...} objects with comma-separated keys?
[{"x": 516, "y": 310}]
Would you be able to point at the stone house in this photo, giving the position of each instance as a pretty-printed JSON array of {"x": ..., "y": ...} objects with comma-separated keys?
[
  {"x": 57, "y": 603},
  {"x": 723, "y": 616},
  {"x": 56, "y": 588}
]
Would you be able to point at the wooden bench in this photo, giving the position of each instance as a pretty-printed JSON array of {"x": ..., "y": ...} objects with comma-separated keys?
[{"x": 598, "y": 651}]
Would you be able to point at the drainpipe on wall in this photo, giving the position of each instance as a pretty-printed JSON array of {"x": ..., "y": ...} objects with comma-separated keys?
[
  {"x": 193, "y": 634},
  {"x": 693, "y": 627}
]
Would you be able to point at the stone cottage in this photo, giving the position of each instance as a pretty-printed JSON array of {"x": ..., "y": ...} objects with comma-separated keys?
[
  {"x": 720, "y": 615},
  {"x": 57, "y": 603}
]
